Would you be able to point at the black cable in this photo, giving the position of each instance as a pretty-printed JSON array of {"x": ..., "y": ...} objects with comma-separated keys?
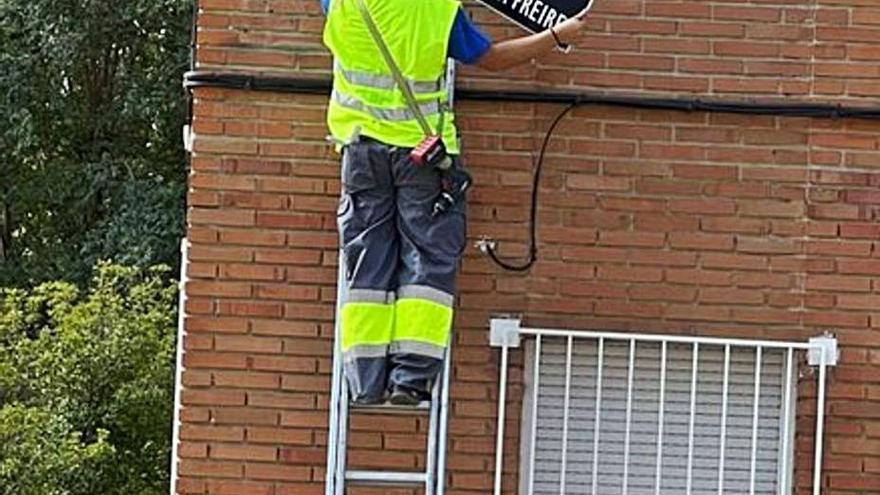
[
  {"x": 322, "y": 86},
  {"x": 488, "y": 247},
  {"x": 195, "y": 79},
  {"x": 233, "y": 80}
]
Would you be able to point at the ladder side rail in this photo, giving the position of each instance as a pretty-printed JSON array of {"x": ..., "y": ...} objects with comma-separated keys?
[
  {"x": 342, "y": 449},
  {"x": 433, "y": 428},
  {"x": 447, "y": 358},
  {"x": 336, "y": 383},
  {"x": 444, "y": 424}
]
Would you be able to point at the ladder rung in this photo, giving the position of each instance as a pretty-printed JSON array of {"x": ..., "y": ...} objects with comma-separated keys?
[
  {"x": 389, "y": 408},
  {"x": 386, "y": 478}
]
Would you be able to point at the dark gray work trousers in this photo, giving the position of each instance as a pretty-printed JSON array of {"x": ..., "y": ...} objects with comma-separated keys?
[{"x": 400, "y": 267}]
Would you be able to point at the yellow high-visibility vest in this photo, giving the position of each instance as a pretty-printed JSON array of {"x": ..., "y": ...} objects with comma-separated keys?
[{"x": 365, "y": 99}]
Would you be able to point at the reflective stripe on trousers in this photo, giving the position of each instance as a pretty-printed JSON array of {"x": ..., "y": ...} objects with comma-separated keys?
[{"x": 412, "y": 325}]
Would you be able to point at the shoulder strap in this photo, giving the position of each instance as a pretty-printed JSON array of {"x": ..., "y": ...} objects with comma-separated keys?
[{"x": 392, "y": 66}]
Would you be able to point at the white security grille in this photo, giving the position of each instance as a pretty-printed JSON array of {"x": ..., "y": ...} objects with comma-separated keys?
[
  {"x": 653, "y": 424},
  {"x": 675, "y": 414}
]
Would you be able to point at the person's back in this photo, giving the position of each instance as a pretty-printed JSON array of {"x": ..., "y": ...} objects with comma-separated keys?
[{"x": 366, "y": 98}]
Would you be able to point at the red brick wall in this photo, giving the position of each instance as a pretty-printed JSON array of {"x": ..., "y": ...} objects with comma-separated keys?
[{"x": 650, "y": 220}]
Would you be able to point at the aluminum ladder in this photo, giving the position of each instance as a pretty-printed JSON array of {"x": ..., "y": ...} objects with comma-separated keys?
[{"x": 338, "y": 476}]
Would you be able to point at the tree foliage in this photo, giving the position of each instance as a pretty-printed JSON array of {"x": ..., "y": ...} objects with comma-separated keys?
[
  {"x": 86, "y": 384},
  {"x": 91, "y": 159}
]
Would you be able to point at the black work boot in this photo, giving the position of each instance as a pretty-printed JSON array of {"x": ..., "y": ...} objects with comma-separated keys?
[
  {"x": 368, "y": 400},
  {"x": 405, "y": 396}
]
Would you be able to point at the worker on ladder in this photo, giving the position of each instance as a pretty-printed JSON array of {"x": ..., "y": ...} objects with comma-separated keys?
[{"x": 402, "y": 213}]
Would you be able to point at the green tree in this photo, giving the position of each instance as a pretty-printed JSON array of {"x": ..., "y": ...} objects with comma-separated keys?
[
  {"x": 86, "y": 384},
  {"x": 91, "y": 158}
]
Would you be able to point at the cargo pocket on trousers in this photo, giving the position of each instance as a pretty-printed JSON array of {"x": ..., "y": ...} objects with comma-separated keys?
[
  {"x": 356, "y": 177},
  {"x": 352, "y": 215},
  {"x": 357, "y": 169}
]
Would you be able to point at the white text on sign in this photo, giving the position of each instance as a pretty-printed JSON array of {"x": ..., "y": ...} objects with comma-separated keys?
[{"x": 536, "y": 11}]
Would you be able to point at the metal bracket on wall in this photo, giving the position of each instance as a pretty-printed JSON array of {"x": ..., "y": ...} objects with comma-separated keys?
[
  {"x": 504, "y": 332},
  {"x": 188, "y": 138},
  {"x": 823, "y": 350}
]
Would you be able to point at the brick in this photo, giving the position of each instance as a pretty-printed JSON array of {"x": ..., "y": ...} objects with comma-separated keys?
[
  {"x": 863, "y": 267},
  {"x": 703, "y": 207},
  {"x": 236, "y": 487},
  {"x": 730, "y": 296},
  {"x": 212, "y": 433},
  {"x": 259, "y": 309},
  {"x": 221, "y": 216},
  {"x": 248, "y": 344},
  {"x": 853, "y": 301},
  {"x": 698, "y": 277},
  {"x": 765, "y": 315},
  {"x": 766, "y": 208},
  {"x": 211, "y": 468},
  {"x": 216, "y": 324},
  {"x": 245, "y": 416},
  {"x": 277, "y": 472},
  {"x": 697, "y": 241},
  {"x": 734, "y": 261},
  {"x": 839, "y": 283},
  {"x": 303, "y": 383},
  {"x": 630, "y": 274},
  {"x": 842, "y": 249},
  {"x": 282, "y": 436},
  {"x": 860, "y": 230},
  {"x": 662, "y": 292},
  {"x": 698, "y": 313},
  {"x": 836, "y": 319},
  {"x": 597, "y": 183},
  {"x": 636, "y": 239},
  {"x": 213, "y": 397},
  {"x": 244, "y": 452},
  {"x": 247, "y": 380},
  {"x": 767, "y": 245}
]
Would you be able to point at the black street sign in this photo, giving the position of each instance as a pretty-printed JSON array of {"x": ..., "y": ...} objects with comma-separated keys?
[{"x": 538, "y": 15}]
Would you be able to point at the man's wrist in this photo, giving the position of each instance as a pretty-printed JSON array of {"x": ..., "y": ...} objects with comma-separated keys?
[{"x": 560, "y": 45}]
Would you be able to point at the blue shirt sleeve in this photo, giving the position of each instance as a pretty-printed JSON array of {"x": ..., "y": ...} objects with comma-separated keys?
[
  {"x": 467, "y": 43},
  {"x": 325, "y": 5}
]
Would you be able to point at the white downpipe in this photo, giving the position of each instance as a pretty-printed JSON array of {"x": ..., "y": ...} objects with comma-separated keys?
[
  {"x": 820, "y": 425},
  {"x": 178, "y": 367},
  {"x": 502, "y": 400}
]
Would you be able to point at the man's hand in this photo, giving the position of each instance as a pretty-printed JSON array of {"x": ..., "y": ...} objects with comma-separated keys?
[{"x": 570, "y": 29}]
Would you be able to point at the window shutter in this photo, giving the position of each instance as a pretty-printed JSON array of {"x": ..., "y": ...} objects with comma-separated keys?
[{"x": 645, "y": 409}]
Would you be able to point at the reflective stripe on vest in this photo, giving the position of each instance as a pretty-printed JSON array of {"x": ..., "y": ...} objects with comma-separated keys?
[
  {"x": 379, "y": 81},
  {"x": 388, "y": 114}
]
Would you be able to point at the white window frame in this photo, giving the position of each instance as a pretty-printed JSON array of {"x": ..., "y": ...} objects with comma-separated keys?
[{"x": 821, "y": 352}]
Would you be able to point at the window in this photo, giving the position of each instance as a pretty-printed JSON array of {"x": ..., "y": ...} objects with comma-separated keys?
[
  {"x": 676, "y": 414},
  {"x": 634, "y": 409}
]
